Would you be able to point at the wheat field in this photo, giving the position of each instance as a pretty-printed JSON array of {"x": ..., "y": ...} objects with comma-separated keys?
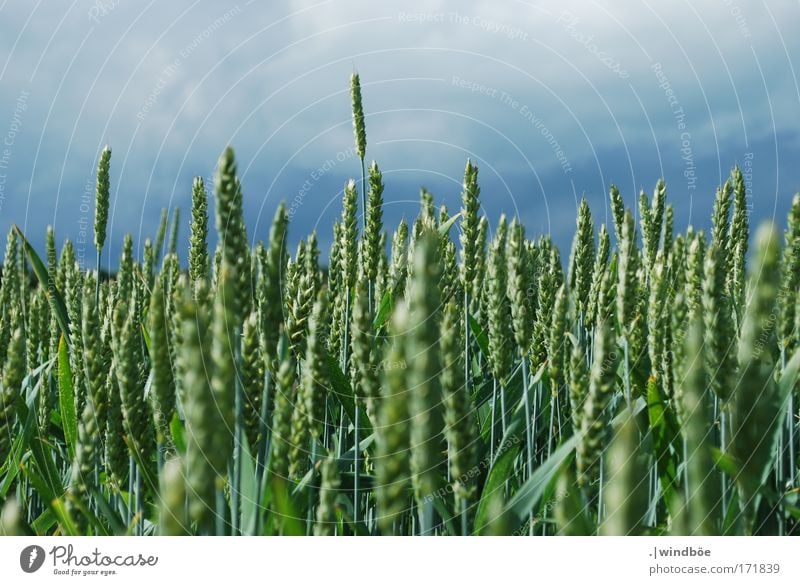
[{"x": 440, "y": 377}]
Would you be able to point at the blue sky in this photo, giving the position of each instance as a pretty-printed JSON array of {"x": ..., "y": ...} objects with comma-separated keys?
[{"x": 552, "y": 101}]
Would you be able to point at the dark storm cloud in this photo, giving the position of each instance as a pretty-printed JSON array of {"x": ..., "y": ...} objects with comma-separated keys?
[{"x": 553, "y": 103}]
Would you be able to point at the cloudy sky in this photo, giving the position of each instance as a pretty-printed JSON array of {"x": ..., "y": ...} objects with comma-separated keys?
[{"x": 553, "y": 103}]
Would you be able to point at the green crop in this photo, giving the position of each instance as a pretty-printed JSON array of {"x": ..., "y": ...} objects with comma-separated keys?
[{"x": 459, "y": 380}]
